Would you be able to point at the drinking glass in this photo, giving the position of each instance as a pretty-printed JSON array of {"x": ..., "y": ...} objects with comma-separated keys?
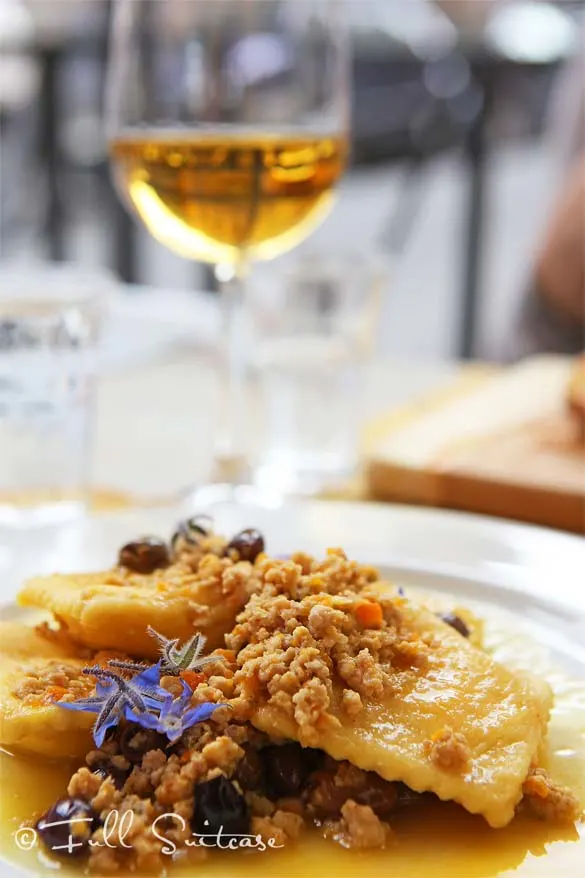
[
  {"x": 227, "y": 124},
  {"x": 49, "y": 322},
  {"x": 313, "y": 331}
]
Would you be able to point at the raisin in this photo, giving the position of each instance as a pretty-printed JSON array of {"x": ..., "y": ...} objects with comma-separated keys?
[
  {"x": 74, "y": 823},
  {"x": 286, "y": 769},
  {"x": 379, "y": 794},
  {"x": 248, "y": 544},
  {"x": 249, "y": 771},
  {"x": 144, "y": 555},
  {"x": 407, "y": 797},
  {"x": 219, "y": 807},
  {"x": 105, "y": 769},
  {"x": 134, "y": 742},
  {"x": 331, "y": 791}
]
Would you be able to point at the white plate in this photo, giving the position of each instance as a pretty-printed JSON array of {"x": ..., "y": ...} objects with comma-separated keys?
[{"x": 533, "y": 572}]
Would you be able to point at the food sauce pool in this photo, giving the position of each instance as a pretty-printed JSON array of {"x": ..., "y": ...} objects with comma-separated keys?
[{"x": 432, "y": 838}]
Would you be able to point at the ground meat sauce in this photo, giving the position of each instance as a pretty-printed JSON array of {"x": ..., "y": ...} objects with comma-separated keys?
[
  {"x": 449, "y": 750},
  {"x": 307, "y": 626},
  {"x": 185, "y": 780},
  {"x": 58, "y": 682},
  {"x": 548, "y": 800}
]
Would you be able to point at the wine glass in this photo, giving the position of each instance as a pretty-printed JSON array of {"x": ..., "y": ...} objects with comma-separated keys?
[{"x": 227, "y": 123}]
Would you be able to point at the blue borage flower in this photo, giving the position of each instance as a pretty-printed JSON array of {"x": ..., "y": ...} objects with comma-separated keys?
[
  {"x": 141, "y": 698},
  {"x": 175, "y": 716},
  {"x": 113, "y": 696}
]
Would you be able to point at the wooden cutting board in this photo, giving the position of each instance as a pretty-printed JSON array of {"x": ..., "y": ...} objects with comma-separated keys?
[{"x": 499, "y": 443}]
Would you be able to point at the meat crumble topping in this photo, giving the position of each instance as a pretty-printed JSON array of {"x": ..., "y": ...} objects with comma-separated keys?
[
  {"x": 56, "y": 681},
  {"x": 312, "y": 624},
  {"x": 449, "y": 750},
  {"x": 549, "y": 800}
]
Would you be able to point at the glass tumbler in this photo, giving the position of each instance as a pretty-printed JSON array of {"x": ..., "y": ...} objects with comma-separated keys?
[
  {"x": 313, "y": 330},
  {"x": 49, "y": 321}
]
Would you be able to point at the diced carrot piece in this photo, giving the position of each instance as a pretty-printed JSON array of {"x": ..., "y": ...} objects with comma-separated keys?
[
  {"x": 439, "y": 735},
  {"x": 252, "y": 686},
  {"x": 228, "y": 654},
  {"x": 369, "y": 615},
  {"x": 537, "y": 786},
  {"x": 54, "y": 693},
  {"x": 192, "y": 678}
]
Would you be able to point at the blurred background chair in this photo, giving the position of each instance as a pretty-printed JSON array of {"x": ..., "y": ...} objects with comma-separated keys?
[{"x": 444, "y": 94}]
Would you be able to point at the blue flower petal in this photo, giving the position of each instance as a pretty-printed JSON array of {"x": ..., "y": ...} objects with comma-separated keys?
[
  {"x": 180, "y": 704},
  {"x": 199, "y": 714},
  {"x": 99, "y": 732},
  {"x": 149, "y": 678},
  {"x": 147, "y": 720},
  {"x": 187, "y": 691},
  {"x": 87, "y": 705},
  {"x": 103, "y": 689},
  {"x": 174, "y": 736},
  {"x": 175, "y": 707},
  {"x": 157, "y": 703}
]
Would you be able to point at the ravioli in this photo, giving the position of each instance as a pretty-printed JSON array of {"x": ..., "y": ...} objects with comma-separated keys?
[
  {"x": 28, "y": 720},
  {"x": 459, "y": 692},
  {"x": 112, "y": 609}
]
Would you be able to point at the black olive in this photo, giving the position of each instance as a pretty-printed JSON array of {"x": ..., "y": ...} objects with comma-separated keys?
[
  {"x": 219, "y": 806},
  {"x": 134, "y": 742},
  {"x": 105, "y": 769},
  {"x": 192, "y": 529},
  {"x": 286, "y": 769},
  {"x": 144, "y": 555},
  {"x": 248, "y": 544},
  {"x": 76, "y": 821},
  {"x": 457, "y": 623}
]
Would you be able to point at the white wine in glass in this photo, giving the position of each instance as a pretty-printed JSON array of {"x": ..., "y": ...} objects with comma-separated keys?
[
  {"x": 228, "y": 131},
  {"x": 214, "y": 197}
]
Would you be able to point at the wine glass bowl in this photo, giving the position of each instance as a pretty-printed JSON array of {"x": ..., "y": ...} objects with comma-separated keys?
[
  {"x": 214, "y": 197},
  {"x": 227, "y": 123}
]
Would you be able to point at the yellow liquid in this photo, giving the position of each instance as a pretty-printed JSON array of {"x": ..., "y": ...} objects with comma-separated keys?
[
  {"x": 212, "y": 197},
  {"x": 435, "y": 839}
]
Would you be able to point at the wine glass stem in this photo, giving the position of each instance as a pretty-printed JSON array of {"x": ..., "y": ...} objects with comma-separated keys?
[{"x": 230, "y": 448}]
